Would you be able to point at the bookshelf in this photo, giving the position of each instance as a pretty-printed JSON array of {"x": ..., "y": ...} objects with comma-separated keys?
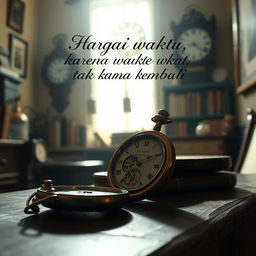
[
  {"x": 65, "y": 133},
  {"x": 190, "y": 104}
]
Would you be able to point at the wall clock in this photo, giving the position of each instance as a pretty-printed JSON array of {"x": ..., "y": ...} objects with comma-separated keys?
[
  {"x": 130, "y": 30},
  {"x": 197, "y": 34},
  {"x": 56, "y": 75},
  {"x": 198, "y": 44}
]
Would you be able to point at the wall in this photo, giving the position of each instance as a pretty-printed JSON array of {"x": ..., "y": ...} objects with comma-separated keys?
[
  {"x": 29, "y": 34},
  {"x": 57, "y": 17}
]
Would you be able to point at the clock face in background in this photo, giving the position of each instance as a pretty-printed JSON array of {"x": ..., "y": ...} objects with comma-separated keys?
[
  {"x": 57, "y": 72},
  {"x": 57, "y": 76},
  {"x": 130, "y": 30},
  {"x": 198, "y": 44},
  {"x": 138, "y": 162},
  {"x": 40, "y": 152}
]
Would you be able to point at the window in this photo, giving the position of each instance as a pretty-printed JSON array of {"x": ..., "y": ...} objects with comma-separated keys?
[{"x": 115, "y": 21}]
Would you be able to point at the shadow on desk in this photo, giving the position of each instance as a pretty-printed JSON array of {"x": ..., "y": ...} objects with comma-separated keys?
[
  {"x": 216, "y": 223},
  {"x": 57, "y": 222},
  {"x": 218, "y": 202},
  {"x": 158, "y": 210}
]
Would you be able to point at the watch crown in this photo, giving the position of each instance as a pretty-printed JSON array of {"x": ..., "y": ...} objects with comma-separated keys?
[
  {"x": 160, "y": 119},
  {"x": 48, "y": 185}
]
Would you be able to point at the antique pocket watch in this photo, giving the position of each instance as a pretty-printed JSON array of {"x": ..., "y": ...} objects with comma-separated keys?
[
  {"x": 138, "y": 167},
  {"x": 75, "y": 198},
  {"x": 144, "y": 161}
]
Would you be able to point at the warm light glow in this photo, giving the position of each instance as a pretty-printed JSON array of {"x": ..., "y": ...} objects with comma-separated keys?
[{"x": 106, "y": 17}]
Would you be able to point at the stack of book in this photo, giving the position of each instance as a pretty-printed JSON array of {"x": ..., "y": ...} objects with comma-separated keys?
[
  {"x": 178, "y": 129},
  {"x": 215, "y": 102},
  {"x": 196, "y": 103},
  {"x": 186, "y": 104},
  {"x": 66, "y": 132}
]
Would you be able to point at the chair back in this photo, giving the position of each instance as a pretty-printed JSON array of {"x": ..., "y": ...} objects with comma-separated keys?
[{"x": 246, "y": 162}]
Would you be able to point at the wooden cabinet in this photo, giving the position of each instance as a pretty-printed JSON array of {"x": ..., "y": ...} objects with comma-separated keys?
[
  {"x": 15, "y": 163},
  {"x": 15, "y": 155}
]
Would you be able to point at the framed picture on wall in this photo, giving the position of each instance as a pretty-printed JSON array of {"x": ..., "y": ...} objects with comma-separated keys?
[
  {"x": 15, "y": 15},
  {"x": 244, "y": 44},
  {"x": 18, "y": 54}
]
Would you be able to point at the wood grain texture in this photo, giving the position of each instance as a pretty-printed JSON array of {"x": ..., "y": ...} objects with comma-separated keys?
[{"x": 194, "y": 223}]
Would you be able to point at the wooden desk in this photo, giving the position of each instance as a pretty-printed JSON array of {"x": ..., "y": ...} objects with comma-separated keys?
[{"x": 213, "y": 223}]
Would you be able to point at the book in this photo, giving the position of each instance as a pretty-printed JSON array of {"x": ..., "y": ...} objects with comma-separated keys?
[
  {"x": 82, "y": 135},
  {"x": 55, "y": 133},
  {"x": 6, "y": 120},
  {"x": 64, "y": 131},
  {"x": 72, "y": 125}
]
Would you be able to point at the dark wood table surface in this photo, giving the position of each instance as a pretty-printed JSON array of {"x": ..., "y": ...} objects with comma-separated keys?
[{"x": 205, "y": 223}]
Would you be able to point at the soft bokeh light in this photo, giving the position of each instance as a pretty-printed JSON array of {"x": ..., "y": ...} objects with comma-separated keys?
[{"x": 109, "y": 94}]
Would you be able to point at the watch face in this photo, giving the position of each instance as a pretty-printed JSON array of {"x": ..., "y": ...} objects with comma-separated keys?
[
  {"x": 139, "y": 162},
  {"x": 57, "y": 72},
  {"x": 198, "y": 44}
]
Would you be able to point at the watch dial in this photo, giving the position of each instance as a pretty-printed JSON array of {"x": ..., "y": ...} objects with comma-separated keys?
[
  {"x": 57, "y": 72},
  {"x": 138, "y": 162},
  {"x": 198, "y": 44}
]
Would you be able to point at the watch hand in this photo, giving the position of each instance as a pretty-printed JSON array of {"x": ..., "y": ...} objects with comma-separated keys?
[
  {"x": 196, "y": 46},
  {"x": 148, "y": 158}
]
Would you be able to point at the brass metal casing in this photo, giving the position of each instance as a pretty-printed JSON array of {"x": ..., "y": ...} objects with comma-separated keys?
[{"x": 166, "y": 170}]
